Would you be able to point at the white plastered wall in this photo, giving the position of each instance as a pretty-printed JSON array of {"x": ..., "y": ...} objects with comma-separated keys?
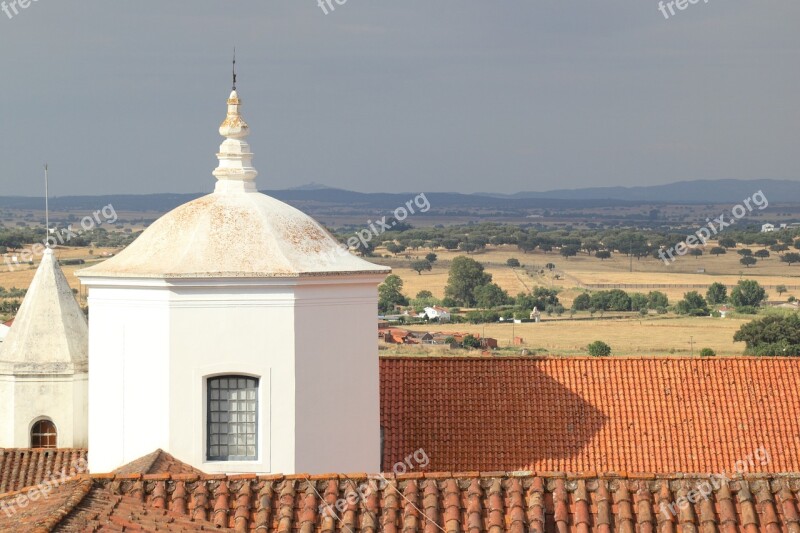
[
  {"x": 27, "y": 399},
  {"x": 310, "y": 342}
]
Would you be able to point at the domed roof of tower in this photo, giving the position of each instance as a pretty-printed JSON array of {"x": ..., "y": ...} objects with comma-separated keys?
[
  {"x": 235, "y": 232},
  {"x": 50, "y": 333}
]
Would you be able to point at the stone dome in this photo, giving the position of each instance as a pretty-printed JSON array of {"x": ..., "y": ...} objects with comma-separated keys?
[{"x": 235, "y": 231}]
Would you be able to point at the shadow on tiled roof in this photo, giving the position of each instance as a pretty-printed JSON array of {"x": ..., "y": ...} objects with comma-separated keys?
[{"x": 641, "y": 415}]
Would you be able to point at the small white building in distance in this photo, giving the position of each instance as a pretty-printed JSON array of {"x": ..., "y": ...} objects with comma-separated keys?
[
  {"x": 231, "y": 335},
  {"x": 437, "y": 313},
  {"x": 44, "y": 367},
  {"x": 767, "y": 228}
]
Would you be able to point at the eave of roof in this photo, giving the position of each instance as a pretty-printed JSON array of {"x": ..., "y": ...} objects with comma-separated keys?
[{"x": 493, "y": 502}]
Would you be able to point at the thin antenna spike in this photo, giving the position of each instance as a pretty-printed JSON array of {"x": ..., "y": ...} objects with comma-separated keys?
[
  {"x": 234, "y": 68},
  {"x": 46, "y": 207}
]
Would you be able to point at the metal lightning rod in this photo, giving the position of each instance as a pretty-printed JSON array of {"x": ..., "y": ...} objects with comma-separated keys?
[{"x": 46, "y": 207}]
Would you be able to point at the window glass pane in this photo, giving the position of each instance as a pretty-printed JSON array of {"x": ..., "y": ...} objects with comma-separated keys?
[
  {"x": 232, "y": 414},
  {"x": 43, "y": 435}
]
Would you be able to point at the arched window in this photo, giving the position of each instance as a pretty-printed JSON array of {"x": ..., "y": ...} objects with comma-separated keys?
[
  {"x": 44, "y": 435},
  {"x": 232, "y": 418}
]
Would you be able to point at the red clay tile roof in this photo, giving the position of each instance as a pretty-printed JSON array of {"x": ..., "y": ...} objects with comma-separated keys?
[
  {"x": 41, "y": 511},
  {"x": 639, "y": 415},
  {"x": 83, "y": 505},
  {"x": 415, "y": 503},
  {"x": 158, "y": 462},
  {"x": 23, "y": 467}
]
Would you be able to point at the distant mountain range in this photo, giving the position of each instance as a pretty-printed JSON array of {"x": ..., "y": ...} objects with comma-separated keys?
[
  {"x": 683, "y": 192},
  {"x": 315, "y": 196}
]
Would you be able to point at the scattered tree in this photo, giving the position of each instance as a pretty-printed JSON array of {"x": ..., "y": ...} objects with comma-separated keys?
[
  {"x": 773, "y": 335},
  {"x": 657, "y": 300},
  {"x": 582, "y": 302},
  {"x": 748, "y": 293},
  {"x": 718, "y": 250},
  {"x": 490, "y": 295},
  {"x": 470, "y": 341},
  {"x": 639, "y": 302},
  {"x": 390, "y": 293},
  {"x": 599, "y": 349},
  {"x": 692, "y": 304},
  {"x": 717, "y": 294},
  {"x": 419, "y": 266},
  {"x": 748, "y": 261},
  {"x": 707, "y": 352},
  {"x": 450, "y": 244},
  {"x": 466, "y": 275},
  {"x": 431, "y": 258},
  {"x": 791, "y": 258},
  {"x": 468, "y": 247},
  {"x": 568, "y": 251},
  {"x": 513, "y": 262},
  {"x": 394, "y": 248},
  {"x": 603, "y": 255}
]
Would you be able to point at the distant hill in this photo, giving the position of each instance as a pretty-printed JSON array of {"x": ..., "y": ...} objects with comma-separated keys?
[
  {"x": 313, "y": 196},
  {"x": 684, "y": 192},
  {"x": 313, "y": 186},
  {"x": 307, "y": 199}
]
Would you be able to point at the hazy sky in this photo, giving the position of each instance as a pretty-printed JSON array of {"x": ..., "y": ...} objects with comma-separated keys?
[{"x": 399, "y": 95}]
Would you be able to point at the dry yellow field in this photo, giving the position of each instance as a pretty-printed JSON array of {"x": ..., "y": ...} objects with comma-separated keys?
[
  {"x": 630, "y": 336},
  {"x": 21, "y": 276},
  {"x": 627, "y": 337},
  {"x": 583, "y": 270}
]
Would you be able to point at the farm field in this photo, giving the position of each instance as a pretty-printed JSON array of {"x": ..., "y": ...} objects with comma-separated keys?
[
  {"x": 22, "y": 275},
  {"x": 633, "y": 336},
  {"x": 627, "y": 336},
  {"x": 583, "y": 270}
]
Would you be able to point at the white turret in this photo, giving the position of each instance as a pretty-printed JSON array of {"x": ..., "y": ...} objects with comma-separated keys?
[
  {"x": 44, "y": 364},
  {"x": 223, "y": 332}
]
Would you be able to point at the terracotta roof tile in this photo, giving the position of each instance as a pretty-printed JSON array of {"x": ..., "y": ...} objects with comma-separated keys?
[
  {"x": 643, "y": 415},
  {"x": 514, "y": 503},
  {"x": 158, "y": 462},
  {"x": 25, "y": 467}
]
